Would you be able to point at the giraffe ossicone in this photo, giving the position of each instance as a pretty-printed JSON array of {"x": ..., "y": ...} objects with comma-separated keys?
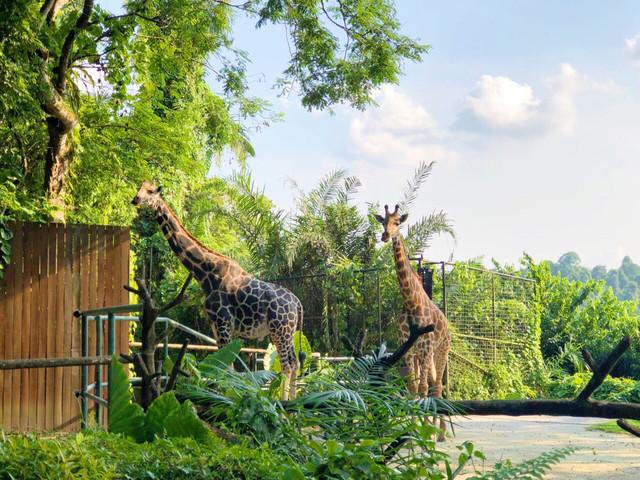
[
  {"x": 427, "y": 359},
  {"x": 236, "y": 303}
]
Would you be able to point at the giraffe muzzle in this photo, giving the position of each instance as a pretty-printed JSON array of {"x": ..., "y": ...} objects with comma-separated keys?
[{"x": 135, "y": 201}]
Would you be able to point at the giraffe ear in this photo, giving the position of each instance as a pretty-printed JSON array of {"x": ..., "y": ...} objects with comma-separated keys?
[
  {"x": 158, "y": 188},
  {"x": 378, "y": 218},
  {"x": 403, "y": 217}
]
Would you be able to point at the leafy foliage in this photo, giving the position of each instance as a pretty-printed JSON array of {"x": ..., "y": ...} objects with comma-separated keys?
[
  {"x": 577, "y": 315},
  {"x": 129, "y": 99},
  {"x": 110, "y": 456},
  {"x": 534, "y": 468},
  {"x": 624, "y": 280},
  {"x": 166, "y": 417}
]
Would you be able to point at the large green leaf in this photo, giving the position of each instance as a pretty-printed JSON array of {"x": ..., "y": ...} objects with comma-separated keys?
[
  {"x": 158, "y": 413},
  {"x": 124, "y": 416},
  {"x": 184, "y": 422},
  {"x": 222, "y": 358}
]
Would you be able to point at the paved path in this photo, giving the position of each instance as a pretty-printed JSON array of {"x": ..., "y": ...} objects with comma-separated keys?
[{"x": 601, "y": 456}]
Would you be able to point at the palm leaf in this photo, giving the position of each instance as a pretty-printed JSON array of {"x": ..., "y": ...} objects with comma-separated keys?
[
  {"x": 421, "y": 233},
  {"x": 414, "y": 183}
]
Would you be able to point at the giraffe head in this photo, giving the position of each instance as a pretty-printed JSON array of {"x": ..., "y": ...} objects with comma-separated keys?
[
  {"x": 391, "y": 222},
  {"x": 149, "y": 195}
]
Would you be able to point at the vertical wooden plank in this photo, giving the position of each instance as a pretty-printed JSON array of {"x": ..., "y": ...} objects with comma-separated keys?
[
  {"x": 41, "y": 323},
  {"x": 18, "y": 262},
  {"x": 79, "y": 302},
  {"x": 51, "y": 330},
  {"x": 6, "y": 346},
  {"x": 103, "y": 297},
  {"x": 122, "y": 335},
  {"x": 33, "y": 260},
  {"x": 93, "y": 294},
  {"x": 60, "y": 324},
  {"x": 69, "y": 407}
]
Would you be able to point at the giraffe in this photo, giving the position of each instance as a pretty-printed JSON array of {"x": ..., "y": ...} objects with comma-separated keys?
[
  {"x": 236, "y": 303},
  {"x": 427, "y": 359}
]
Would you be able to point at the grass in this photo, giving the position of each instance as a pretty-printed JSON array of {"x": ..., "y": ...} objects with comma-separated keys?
[{"x": 612, "y": 427}]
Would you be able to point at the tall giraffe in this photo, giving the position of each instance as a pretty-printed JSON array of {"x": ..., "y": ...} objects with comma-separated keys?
[
  {"x": 427, "y": 359},
  {"x": 237, "y": 304}
]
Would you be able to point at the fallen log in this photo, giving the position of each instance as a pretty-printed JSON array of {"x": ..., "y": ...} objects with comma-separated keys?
[{"x": 571, "y": 408}]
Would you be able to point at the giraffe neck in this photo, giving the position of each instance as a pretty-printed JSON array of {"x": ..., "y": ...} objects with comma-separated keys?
[
  {"x": 407, "y": 278},
  {"x": 197, "y": 258}
]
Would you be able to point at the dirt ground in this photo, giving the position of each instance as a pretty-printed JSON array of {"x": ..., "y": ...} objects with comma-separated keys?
[{"x": 601, "y": 456}]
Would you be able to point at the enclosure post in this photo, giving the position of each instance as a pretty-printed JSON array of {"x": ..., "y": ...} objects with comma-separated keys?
[
  {"x": 444, "y": 291},
  {"x": 111, "y": 349},
  {"x": 84, "y": 373},
  {"x": 166, "y": 343},
  {"x": 98, "y": 376},
  {"x": 379, "y": 308},
  {"x": 493, "y": 317}
]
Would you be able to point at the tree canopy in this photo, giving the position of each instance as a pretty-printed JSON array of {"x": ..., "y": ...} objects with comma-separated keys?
[{"x": 93, "y": 102}]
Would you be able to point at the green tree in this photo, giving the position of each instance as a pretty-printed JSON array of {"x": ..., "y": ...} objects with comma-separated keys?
[{"x": 92, "y": 102}]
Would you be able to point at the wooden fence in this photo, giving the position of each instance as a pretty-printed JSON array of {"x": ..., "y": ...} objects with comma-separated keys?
[{"x": 55, "y": 269}]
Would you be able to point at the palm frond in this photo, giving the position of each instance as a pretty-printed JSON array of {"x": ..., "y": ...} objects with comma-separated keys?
[
  {"x": 349, "y": 188},
  {"x": 414, "y": 183},
  {"x": 326, "y": 191},
  {"x": 332, "y": 398},
  {"x": 422, "y": 232}
]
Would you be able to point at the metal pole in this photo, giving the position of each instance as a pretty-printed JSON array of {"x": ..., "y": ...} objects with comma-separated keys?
[
  {"x": 98, "y": 376},
  {"x": 84, "y": 373},
  {"x": 444, "y": 292},
  {"x": 111, "y": 348},
  {"x": 493, "y": 317},
  {"x": 379, "y": 308}
]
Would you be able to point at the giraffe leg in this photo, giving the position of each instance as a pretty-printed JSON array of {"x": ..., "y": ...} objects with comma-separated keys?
[
  {"x": 413, "y": 372},
  {"x": 440, "y": 364},
  {"x": 289, "y": 367}
]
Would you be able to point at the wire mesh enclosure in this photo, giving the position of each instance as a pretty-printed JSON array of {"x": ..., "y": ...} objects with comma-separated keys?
[{"x": 492, "y": 315}]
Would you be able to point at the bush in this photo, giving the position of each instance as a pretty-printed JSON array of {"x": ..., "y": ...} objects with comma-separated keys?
[
  {"x": 612, "y": 389},
  {"x": 110, "y": 456}
]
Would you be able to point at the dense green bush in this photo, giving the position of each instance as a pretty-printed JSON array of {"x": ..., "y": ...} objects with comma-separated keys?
[
  {"x": 612, "y": 389},
  {"x": 577, "y": 315},
  {"x": 101, "y": 455}
]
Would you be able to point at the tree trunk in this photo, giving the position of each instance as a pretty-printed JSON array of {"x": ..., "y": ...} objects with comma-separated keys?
[
  {"x": 61, "y": 119},
  {"x": 57, "y": 159}
]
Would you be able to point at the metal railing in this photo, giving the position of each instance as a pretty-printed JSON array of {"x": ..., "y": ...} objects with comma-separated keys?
[{"x": 93, "y": 391}]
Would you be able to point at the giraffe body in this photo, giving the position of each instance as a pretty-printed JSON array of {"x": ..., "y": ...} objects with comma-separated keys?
[
  {"x": 236, "y": 303},
  {"x": 427, "y": 359}
]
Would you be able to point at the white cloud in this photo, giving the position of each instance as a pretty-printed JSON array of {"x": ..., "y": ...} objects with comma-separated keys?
[
  {"x": 633, "y": 46},
  {"x": 399, "y": 130},
  {"x": 502, "y": 103}
]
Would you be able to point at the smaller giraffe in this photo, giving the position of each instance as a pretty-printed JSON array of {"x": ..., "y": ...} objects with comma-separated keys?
[
  {"x": 237, "y": 304},
  {"x": 427, "y": 359}
]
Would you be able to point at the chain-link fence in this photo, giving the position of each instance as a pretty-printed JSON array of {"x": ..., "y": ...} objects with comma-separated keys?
[{"x": 492, "y": 315}]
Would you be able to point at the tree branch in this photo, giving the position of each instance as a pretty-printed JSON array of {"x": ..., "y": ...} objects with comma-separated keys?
[
  {"x": 569, "y": 408},
  {"x": 414, "y": 334},
  {"x": 623, "y": 424},
  {"x": 603, "y": 370},
  {"x": 589, "y": 360},
  {"x": 65, "y": 53},
  {"x": 180, "y": 297},
  {"x": 176, "y": 367}
]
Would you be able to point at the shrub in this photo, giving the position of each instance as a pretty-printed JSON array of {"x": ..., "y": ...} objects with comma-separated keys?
[
  {"x": 612, "y": 389},
  {"x": 110, "y": 456}
]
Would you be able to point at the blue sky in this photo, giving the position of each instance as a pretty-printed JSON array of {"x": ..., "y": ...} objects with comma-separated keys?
[{"x": 530, "y": 110}]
